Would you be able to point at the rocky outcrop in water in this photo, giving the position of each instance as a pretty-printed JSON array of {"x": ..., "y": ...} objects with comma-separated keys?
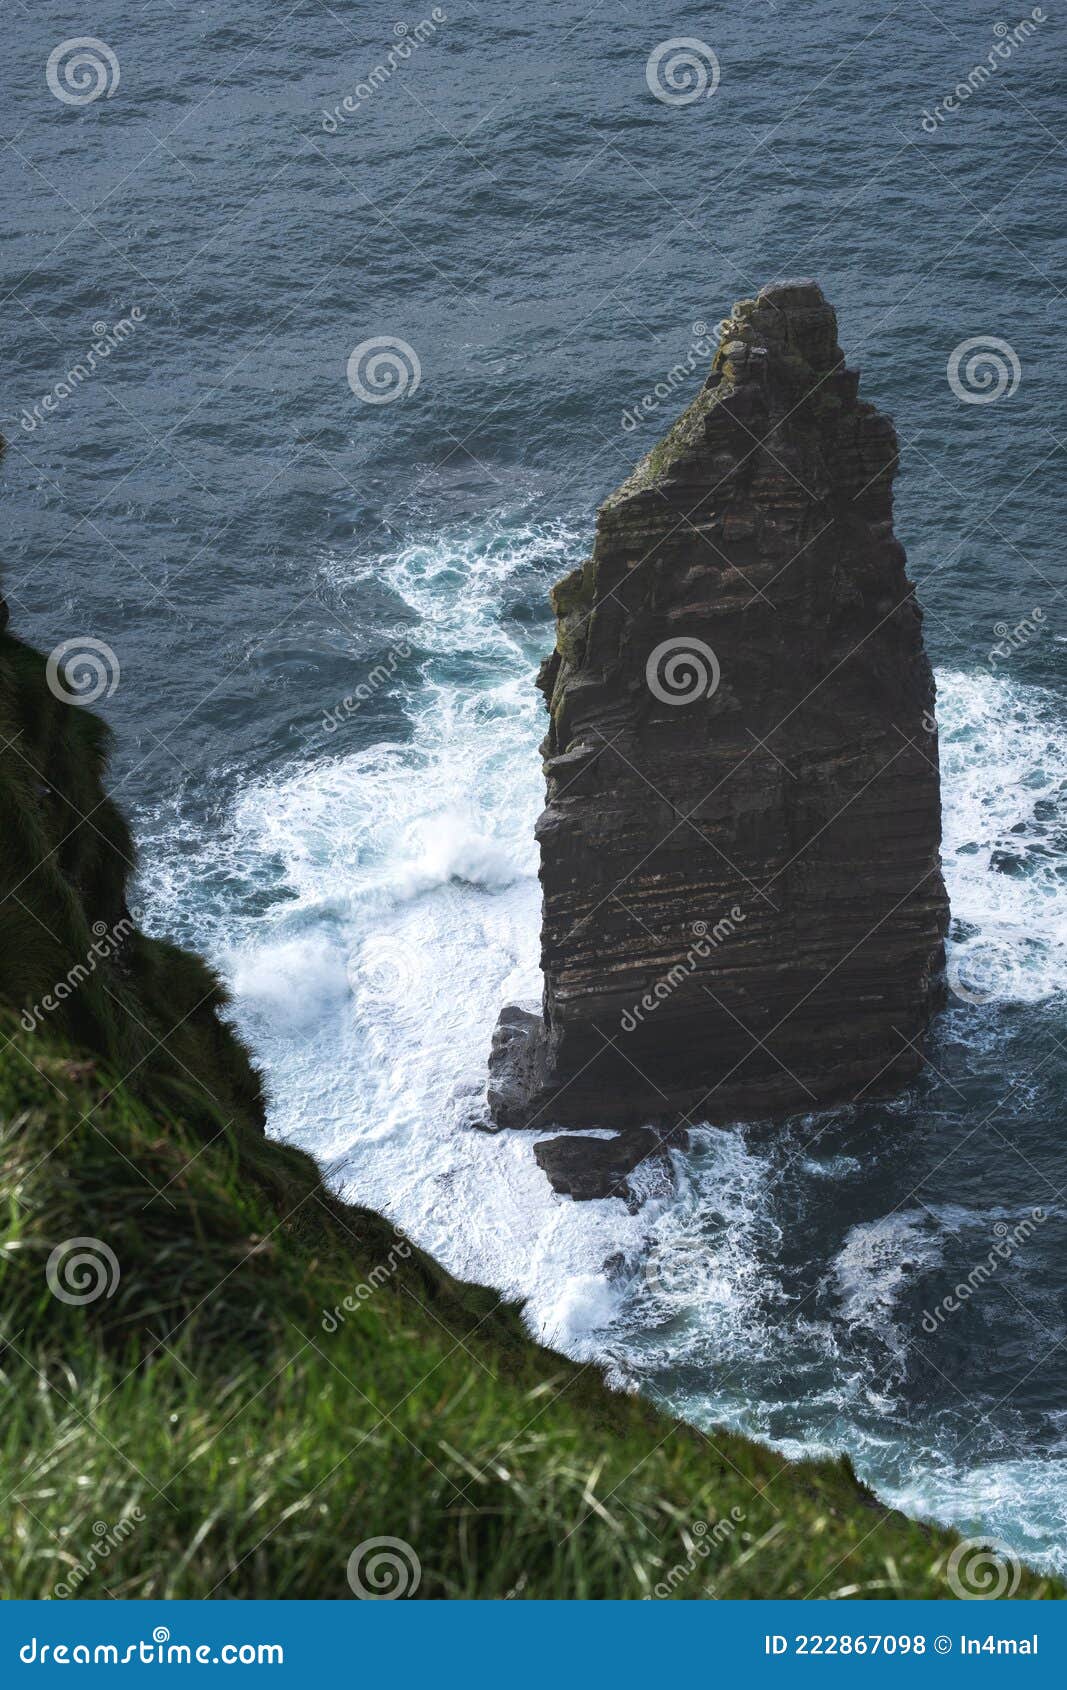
[
  {"x": 743, "y": 904},
  {"x": 583, "y": 1167}
]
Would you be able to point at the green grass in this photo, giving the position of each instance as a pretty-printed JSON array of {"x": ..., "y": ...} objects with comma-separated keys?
[
  {"x": 253, "y": 1445},
  {"x": 205, "y": 1426}
]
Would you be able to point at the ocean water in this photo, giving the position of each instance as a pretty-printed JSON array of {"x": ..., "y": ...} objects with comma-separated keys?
[{"x": 256, "y": 545}]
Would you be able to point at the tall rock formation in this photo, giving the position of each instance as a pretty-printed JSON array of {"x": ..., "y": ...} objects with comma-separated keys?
[{"x": 743, "y": 904}]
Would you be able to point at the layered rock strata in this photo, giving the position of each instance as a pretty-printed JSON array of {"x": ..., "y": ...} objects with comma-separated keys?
[{"x": 743, "y": 904}]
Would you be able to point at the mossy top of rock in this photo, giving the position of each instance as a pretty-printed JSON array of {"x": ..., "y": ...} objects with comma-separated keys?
[
  {"x": 788, "y": 333},
  {"x": 681, "y": 439}
]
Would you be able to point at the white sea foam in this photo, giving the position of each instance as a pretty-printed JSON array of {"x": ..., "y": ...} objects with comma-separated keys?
[
  {"x": 413, "y": 913},
  {"x": 711, "y": 1250},
  {"x": 292, "y": 983},
  {"x": 410, "y": 914},
  {"x": 1004, "y": 775},
  {"x": 877, "y": 1262},
  {"x": 1020, "y": 1501}
]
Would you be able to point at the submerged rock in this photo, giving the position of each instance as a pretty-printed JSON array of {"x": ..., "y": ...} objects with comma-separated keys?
[
  {"x": 584, "y": 1167},
  {"x": 743, "y": 903}
]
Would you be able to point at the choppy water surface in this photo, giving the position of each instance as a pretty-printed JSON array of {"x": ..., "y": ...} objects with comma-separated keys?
[{"x": 257, "y": 544}]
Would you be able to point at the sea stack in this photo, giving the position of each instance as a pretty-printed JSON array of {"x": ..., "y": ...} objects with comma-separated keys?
[{"x": 744, "y": 912}]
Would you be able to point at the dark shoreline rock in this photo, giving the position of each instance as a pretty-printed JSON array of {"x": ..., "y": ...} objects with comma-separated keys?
[
  {"x": 743, "y": 904},
  {"x": 585, "y": 1168}
]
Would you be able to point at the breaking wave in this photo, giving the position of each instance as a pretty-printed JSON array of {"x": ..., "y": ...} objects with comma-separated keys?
[{"x": 377, "y": 903}]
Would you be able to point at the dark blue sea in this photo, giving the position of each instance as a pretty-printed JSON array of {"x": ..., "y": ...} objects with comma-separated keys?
[{"x": 313, "y": 577}]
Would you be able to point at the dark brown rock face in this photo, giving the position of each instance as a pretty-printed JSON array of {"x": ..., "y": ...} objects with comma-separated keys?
[
  {"x": 743, "y": 902},
  {"x": 584, "y": 1167}
]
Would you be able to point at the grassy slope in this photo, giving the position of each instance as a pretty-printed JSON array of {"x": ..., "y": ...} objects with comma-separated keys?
[{"x": 250, "y": 1445}]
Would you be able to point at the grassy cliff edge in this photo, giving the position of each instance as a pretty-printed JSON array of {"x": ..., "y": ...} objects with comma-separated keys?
[{"x": 218, "y": 1380}]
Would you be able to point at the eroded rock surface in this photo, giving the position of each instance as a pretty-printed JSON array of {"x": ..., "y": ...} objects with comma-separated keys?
[
  {"x": 743, "y": 903},
  {"x": 583, "y": 1167}
]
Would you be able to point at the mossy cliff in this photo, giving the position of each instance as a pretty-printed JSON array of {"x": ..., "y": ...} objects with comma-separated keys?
[{"x": 217, "y": 1380}]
